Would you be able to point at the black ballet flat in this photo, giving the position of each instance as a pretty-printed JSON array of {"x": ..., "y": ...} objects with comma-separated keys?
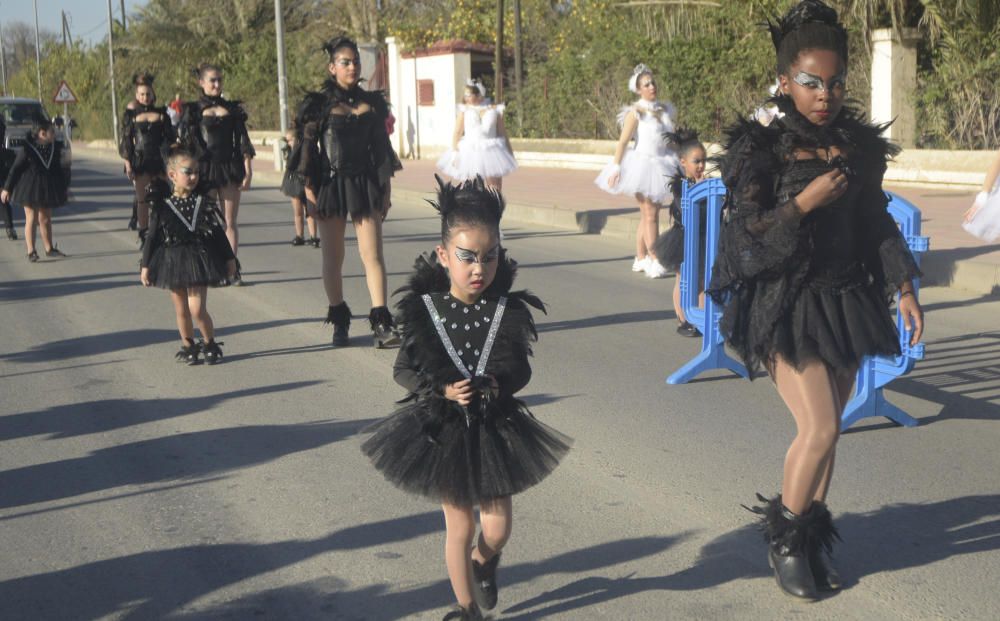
[
  {"x": 133, "y": 223},
  {"x": 314, "y": 242},
  {"x": 189, "y": 354},
  {"x": 686, "y": 329},
  {"x": 212, "y": 351},
  {"x": 33, "y": 256},
  {"x": 55, "y": 253},
  {"x": 11, "y": 233},
  {"x": 298, "y": 241},
  {"x": 471, "y": 613}
]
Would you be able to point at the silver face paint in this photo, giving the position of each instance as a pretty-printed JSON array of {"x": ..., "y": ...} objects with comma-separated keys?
[
  {"x": 468, "y": 256},
  {"x": 815, "y": 82}
]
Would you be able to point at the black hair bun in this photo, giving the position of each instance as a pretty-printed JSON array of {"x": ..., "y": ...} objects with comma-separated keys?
[
  {"x": 457, "y": 197},
  {"x": 806, "y": 11},
  {"x": 143, "y": 78},
  {"x": 338, "y": 42}
]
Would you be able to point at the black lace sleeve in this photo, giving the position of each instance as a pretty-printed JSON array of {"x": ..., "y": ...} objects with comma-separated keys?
[
  {"x": 308, "y": 122},
  {"x": 155, "y": 237},
  {"x": 126, "y": 141},
  {"x": 761, "y": 237},
  {"x": 16, "y": 169},
  {"x": 243, "y": 143},
  {"x": 407, "y": 375},
  {"x": 383, "y": 156},
  {"x": 218, "y": 239},
  {"x": 888, "y": 256}
]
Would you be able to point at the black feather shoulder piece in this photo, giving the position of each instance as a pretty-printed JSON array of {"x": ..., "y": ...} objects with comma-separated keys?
[{"x": 334, "y": 94}]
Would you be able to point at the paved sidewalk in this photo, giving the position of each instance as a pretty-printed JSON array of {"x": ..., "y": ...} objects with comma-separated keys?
[{"x": 569, "y": 199}]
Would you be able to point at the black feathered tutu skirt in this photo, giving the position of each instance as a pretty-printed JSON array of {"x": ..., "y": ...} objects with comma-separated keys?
[
  {"x": 429, "y": 447},
  {"x": 837, "y": 325},
  {"x": 186, "y": 265},
  {"x": 220, "y": 173},
  {"x": 41, "y": 190},
  {"x": 669, "y": 247},
  {"x": 293, "y": 185},
  {"x": 356, "y": 197}
]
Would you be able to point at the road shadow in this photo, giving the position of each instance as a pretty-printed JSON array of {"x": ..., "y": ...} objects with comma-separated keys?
[
  {"x": 103, "y": 415},
  {"x": 547, "y": 264},
  {"x": 593, "y": 221},
  {"x": 183, "y": 456},
  {"x": 62, "y": 286},
  {"x": 156, "y": 584},
  {"x": 960, "y": 374},
  {"x": 607, "y": 320},
  {"x": 97, "y": 344}
]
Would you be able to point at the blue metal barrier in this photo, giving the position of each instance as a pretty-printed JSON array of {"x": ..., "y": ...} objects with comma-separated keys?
[
  {"x": 875, "y": 372},
  {"x": 708, "y": 195}
]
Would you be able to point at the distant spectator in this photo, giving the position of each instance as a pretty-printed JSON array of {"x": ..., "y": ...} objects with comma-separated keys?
[{"x": 174, "y": 109}]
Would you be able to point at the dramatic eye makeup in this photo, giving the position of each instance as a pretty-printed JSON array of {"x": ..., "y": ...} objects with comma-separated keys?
[
  {"x": 190, "y": 172},
  {"x": 815, "y": 82},
  {"x": 468, "y": 256}
]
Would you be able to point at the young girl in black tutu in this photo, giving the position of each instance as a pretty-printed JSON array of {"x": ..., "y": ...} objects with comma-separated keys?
[
  {"x": 186, "y": 251},
  {"x": 293, "y": 185},
  {"x": 462, "y": 438},
  {"x": 669, "y": 246},
  {"x": 39, "y": 182},
  {"x": 808, "y": 264}
]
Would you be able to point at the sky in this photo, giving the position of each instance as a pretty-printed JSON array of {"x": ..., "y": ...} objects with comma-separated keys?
[{"x": 88, "y": 19}]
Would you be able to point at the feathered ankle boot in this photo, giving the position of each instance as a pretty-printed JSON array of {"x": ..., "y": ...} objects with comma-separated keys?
[
  {"x": 383, "y": 328},
  {"x": 786, "y": 534},
  {"x": 821, "y": 534},
  {"x": 340, "y": 317}
]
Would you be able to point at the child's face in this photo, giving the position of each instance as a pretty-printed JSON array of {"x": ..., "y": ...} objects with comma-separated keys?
[
  {"x": 694, "y": 163},
  {"x": 470, "y": 257},
  {"x": 816, "y": 82},
  {"x": 46, "y": 136},
  {"x": 183, "y": 174}
]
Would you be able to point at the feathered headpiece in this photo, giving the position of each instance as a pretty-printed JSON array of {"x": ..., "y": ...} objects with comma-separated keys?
[
  {"x": 476, "y": 84},
  {"x": 338, "y": 42},
  {"x": 633, "y": 82},
  {"x": 452, "y": 198},
  {"x": 803, "y": 13}
]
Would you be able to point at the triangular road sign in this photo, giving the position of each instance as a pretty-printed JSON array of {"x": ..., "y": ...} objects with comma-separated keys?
[{"x": 64, "y": 94}]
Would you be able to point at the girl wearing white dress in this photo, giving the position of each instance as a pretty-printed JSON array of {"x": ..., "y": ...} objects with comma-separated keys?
[
  {"x": 480, "y": 146},
  {"x": 645, "y": 168},
  {"x": 983, "y": 218}
]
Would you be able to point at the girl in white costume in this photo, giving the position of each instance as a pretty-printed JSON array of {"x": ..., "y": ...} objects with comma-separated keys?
[
  {"x": 646, "y": 168},
  {"x": 480, "y": 146},
  {"x": 983, "y": 218}
]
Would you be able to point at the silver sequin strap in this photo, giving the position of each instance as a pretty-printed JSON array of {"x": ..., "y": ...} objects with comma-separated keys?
[
  {"x": 45, "y": 162},
  {"x": 445, "y": 339},
  {"x": 194, "y": 216},
  {"x": 492, "y": 336}
]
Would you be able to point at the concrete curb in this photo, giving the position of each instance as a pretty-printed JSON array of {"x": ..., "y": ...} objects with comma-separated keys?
[{"x": 948, "y": 268}]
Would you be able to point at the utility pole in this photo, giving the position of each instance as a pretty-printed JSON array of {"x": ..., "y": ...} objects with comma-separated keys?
[
  {"x": 498, "y": 56},
  {"x": 124, "y": 27},
  {"x": 279, "y": 33},
  {"x": 65, "y": 39},
  {"x": 517, "y": 68},
  {"x": 3, "y": 61},
  {"x": 38, "y": 54},
  {"x": 111, "y": 70}
]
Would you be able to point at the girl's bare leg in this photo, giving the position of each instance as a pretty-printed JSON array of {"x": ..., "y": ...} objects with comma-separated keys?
[
  {"x": 142, "y": 209},
  {"x": 183, "y": 314},
  {"x": 460, "y": 527},
  {"x": 814, "y": 400},
  {"x": 332, "y": 232},
  {"x": 311, "y": 223},
  {"x": 369, "y": 233},
  {"x": 198, "y": 303},
  {"x": 298, "y": 213},
  {"x": 678, "y": 307},
  {"x": 496, "y": 519},
  {"x": 229, "y": 200},
  {"x": 844, "y": 383},
  {"x": 45, "y": 227},
  {"x": 30, "y": 224}
]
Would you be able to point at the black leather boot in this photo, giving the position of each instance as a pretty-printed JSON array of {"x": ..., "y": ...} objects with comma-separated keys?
[
  {"x": 484, "y": 582},
  {"x": 189, "y": 354},
  {"x": 383, "y": 328},
  {"x": 786, "y": 533},
  {"x": 11, "y": 233},
  {"x": 821, "y": 534},
  {"x": 340, "y": 317}
]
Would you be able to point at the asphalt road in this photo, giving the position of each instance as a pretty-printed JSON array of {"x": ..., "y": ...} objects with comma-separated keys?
[{"x": 132, "y": 487}]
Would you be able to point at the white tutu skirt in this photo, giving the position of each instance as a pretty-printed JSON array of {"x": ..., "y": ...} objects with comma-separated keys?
[
  {"x": 644, "y": 174},
  {"x": 985, "y": 223},
  {"x": 487, "y": 157}
]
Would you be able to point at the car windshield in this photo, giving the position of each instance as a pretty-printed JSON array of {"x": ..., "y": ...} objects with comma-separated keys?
[{"x": 22, "y": 113}]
